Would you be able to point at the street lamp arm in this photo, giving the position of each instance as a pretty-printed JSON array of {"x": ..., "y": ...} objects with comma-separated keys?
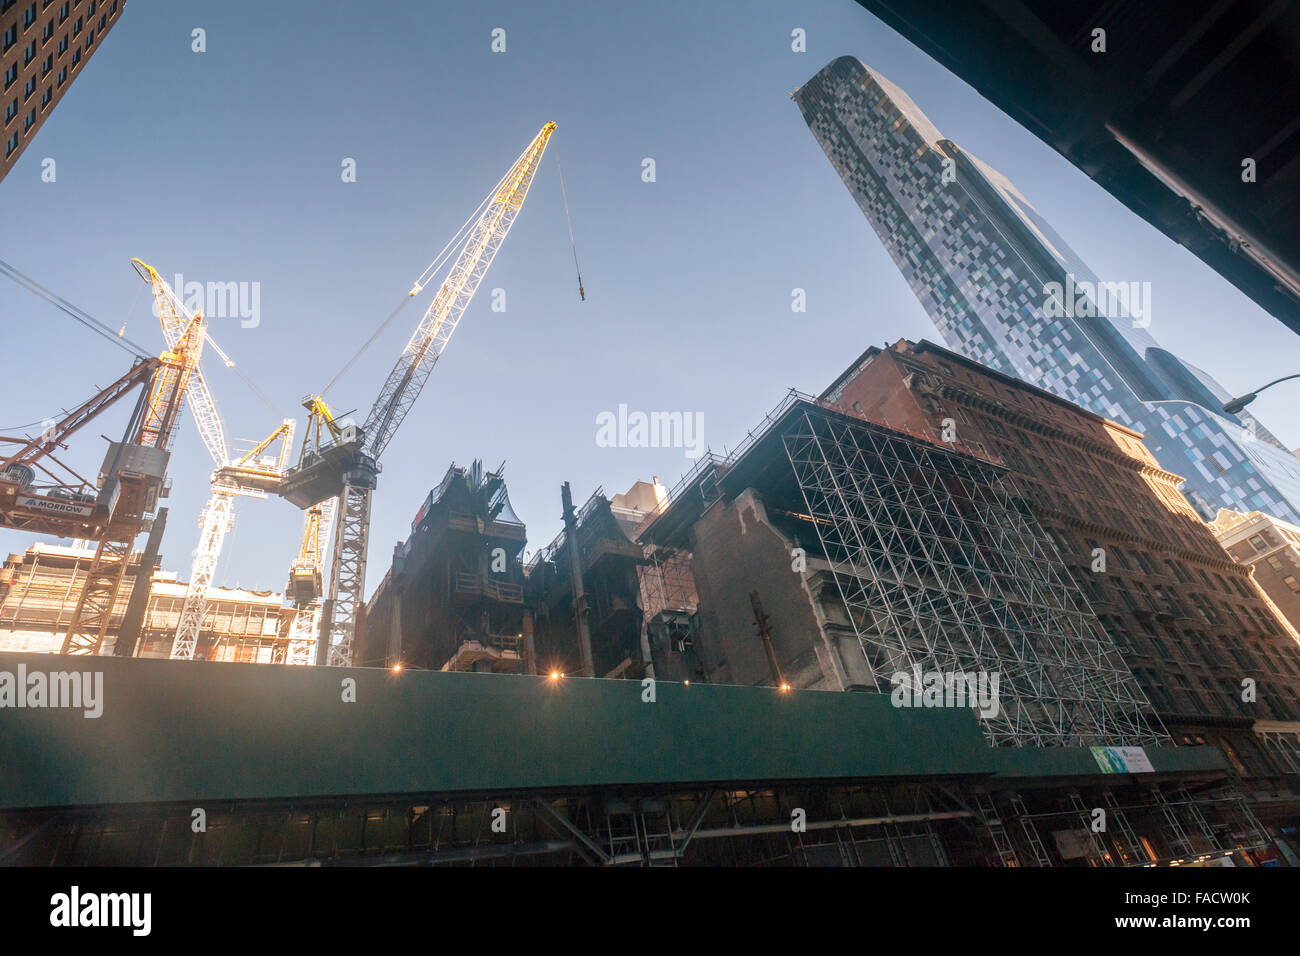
[
  {"x": 1275, "y": 381},
  {"x": 1237, "y": 404}
]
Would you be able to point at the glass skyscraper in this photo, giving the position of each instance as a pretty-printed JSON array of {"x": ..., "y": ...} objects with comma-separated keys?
[{"x": 1005, "y": 289}]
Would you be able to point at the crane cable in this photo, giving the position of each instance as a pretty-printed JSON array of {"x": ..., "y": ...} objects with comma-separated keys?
[
  {"x": 119, "y": 337},
  {"x": 230, "y": 363},
  {"x": 418, "y": 287},
  {"x": 572, "y": 245},
  {"x": 80, "y": 315}
]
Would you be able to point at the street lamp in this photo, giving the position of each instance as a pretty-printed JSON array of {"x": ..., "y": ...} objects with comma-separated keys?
[{"x": 1237, "y": 404}]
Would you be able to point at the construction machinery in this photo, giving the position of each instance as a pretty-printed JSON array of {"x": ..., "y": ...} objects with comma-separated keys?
[
  {"x": 340, "y": 459},
  {"x": 121, "y": 503},
  {"x": 250, "y": 475},
  {"x": 133, "y": 475},
  {"x": 39, "y": 492},
  {"x": 304, "y": 587}
]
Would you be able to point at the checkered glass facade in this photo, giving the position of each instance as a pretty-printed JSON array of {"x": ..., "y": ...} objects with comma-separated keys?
[{"x": 980, "y": 259}]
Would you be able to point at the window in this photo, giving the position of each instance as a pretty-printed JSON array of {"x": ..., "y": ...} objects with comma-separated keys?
[
  {"x": 11, "y": 111},
  {"x": 29, "y": 54},
  {"x": 76, "y": 27},
  {"x": 11, "y": 145},
  {"x": 29, "y": 88},
  {"x": 90, "y": 38},
  {"x": 47, "y": 65},
  {"x": 29, "y": 16},
  {"x": 63, "y": 75},
  {"x": 1291, "y": 582},
  {"x": 63, "y": 45},
  {"x": 1258, "y": 543},
  {"x": 47, "y": 32},
  {"x": 10, "y": 37},
  {"x": 11, "y": 74},
  {"x": 76, "y": 57},
  {"x": 30, "y": 121},
  {"x": 1275, "y": 562},
  {"x": 63, "y": 13},
  {"x": 47, "y": 96}
]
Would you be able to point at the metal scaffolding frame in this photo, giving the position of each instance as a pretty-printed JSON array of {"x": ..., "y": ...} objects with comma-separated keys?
[
  {"x": 795, "y": 823},
  {"x": 942, "y": 569},
  {"x": 666, "y": 581}
]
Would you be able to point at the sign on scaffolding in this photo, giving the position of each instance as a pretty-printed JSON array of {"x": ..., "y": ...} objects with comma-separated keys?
[{"x": 1122, "y": 760}]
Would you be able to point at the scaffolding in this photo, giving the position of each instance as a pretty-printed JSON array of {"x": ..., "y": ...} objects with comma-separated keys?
[
  {"x": 943, "y": 570},
  {"x": 666, "y": 582}
]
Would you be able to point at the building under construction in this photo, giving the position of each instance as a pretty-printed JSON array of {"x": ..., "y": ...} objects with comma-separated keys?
[
  {"x": 39, "y": 588},
  {"x": 876, "y": 552},
  {"x": 836, "y": 550},
  {"x": 1208, "y": 649},
  {"x": 584, "y": 598},
  {"x": 453, "y": 598},
  {"x": 667, "y": 596}
]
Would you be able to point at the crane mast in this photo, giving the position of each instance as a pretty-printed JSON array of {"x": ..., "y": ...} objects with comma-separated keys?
[
  {"x": 133, "y": 472},
  {"x": 305, "y": 583},
  {"x": 246, "y": 477},
  {"x": 349, "y": 467}
]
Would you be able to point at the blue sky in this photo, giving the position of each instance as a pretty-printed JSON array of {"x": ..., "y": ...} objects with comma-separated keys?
[{"x": 225, "y": 166}]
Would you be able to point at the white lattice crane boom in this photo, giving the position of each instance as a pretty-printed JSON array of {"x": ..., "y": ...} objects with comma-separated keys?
[{"x": 246, "y": 477}]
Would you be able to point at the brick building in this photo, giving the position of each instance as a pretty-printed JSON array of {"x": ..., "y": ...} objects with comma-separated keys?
[
  {"x": 833, "y": 553},
  {"x": 1271, "y": 547},
  {"x": 39, "y": 589},
  {"x": 44, "y": 46},
  {"x": 1187, "y": 619}
]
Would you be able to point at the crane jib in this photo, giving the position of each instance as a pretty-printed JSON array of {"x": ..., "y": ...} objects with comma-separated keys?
[{"x": 346, "y": 470}]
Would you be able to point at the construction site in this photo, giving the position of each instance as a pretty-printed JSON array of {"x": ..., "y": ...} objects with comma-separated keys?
[{"x": 672, "y": 679}]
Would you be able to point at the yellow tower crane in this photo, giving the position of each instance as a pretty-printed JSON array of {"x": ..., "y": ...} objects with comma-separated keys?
[
  {"x": 341, "y": 461},
  {"x": 249, "y": 475}
]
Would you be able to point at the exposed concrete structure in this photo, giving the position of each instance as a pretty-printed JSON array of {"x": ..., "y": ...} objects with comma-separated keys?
[
  {"x": 453, "y": 598},
  {"x": 610, "y": 589},
  {"x": 667, "y": 588},
  {"x": 39, "y": 588}
]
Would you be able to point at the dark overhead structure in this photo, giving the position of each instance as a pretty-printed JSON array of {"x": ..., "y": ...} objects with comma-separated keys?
[
  {"x": 1165, "y": 119},
  {"x": 453, "y": 597}
]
